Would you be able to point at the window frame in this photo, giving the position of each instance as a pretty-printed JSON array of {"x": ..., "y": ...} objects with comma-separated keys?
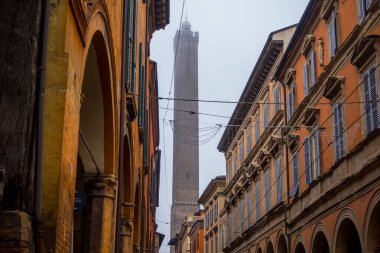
[
  {"x": 277, "y": 98},
  {"x": 267, "y": 187},
  {"x": 343, "y": 151},
  {"x": 333, "y": 16},
  {"x": 366, "y": 70}
]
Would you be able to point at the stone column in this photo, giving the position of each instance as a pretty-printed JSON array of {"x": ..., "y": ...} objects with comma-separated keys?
[
  {"x": 99, "y": 213},
  {"x": 126, "y": 235},
  {"x": 15, "y": 232}
]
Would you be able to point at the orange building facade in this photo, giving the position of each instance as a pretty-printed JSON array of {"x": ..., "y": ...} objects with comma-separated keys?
[
  {"x": 307, "y": 156},
  {"x": 97, "y": 190}
]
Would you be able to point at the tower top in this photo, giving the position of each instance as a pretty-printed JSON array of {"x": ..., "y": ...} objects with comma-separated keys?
[{"x": 186, "y": 26}]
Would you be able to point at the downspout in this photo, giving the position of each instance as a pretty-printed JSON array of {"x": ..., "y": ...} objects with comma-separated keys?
[
  {"x": 40, "y": 91},
  {"x": 120, "y": 176},
  {"x": 286, "y": 168}
]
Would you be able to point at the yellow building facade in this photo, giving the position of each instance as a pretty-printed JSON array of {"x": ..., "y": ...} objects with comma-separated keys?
[{"x": 100, "y": 133}]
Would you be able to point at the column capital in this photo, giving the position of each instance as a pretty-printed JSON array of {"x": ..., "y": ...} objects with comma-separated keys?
[
  {"x": 126, "y": 227},
  {"x": 100, "y": 185}
]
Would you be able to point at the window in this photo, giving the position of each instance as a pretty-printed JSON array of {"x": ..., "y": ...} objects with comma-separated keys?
[
  {"x": 295, "y": 183},
  {"x": 309, "y": 72},
  {"x": 249, "y": 207},
  {"x": 198, "y": 241},
  {"x": 241, "y": 210},
  {"x": 228, "y": 227},
  {"x": 216, "y": 211},
  {"x": 363, "y": 7},
  {"x": 257, "y": 197},
  {"x": 332, "y": 34},
  {"x": 292, "y": 105},
  {"x": 338, "y": 130},
  {"x": 371, "y": 100},
  {"x": 235, "y": 165},
  {"x": 228, "y": 171},
  {"x": 206, "y": 247},
  {"x": 279, "y": 179},
  {"x": 235, "y": 224},
  {"x": 312, "y": 156},
  {"x": 241, "y": 152},
  {"x": 141, "y": 88},
  {"x": 211, "y": 246},
  {"x": 222, "y": 236},
  {"x": 267, "y": 190},
  {"x": 248, "y": 132},
  {"x": 216, "y": 243},
  {"x": 257, "y": 128},
  {"x": 277, "y": 99},
  {"x": 266, "y": 112}
]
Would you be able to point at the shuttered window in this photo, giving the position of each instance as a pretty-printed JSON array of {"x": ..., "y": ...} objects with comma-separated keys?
[
  {"x": 338, "y": 131},
  {"x": 266, "y": 112},
  {"x": 222, "y": 236},
  {"x": 313, "y": 76},
  {"x": 241, "y": 210},
  {"x": 141, "y": 87},
  {"x": 257, "y": 129},
  {"x": 267, "y": 190},
  {"x": 241, "y": 152},
  {"x": 249, "y": 207},
  {"x": 134, "y": 46},
  {"x": 295, "y": 182},
  {"x": 371, "y": 100},
  {"x": 316, "y": 153},
  {"x": 235, "y": 165},
  {"x": 257, "y": 198},
  {"x": 291, "y": 103},
  {"x": 307, "y": 149},
  {"x": 279, "y": 179},
  {"x": 363, "y": 8},
  {"x": 306, "y": 79},
  {"x": 235, "y": 223},
  {"x": 332, "y": 34},
  {"x": 249, "y": 138},
  {"x": 277, "y": 99}
]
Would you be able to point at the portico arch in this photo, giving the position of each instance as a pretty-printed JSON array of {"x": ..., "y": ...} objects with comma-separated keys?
[
  {"x": 346, "y": 235},
  {"x": 281, "y": 243},
  {"x": 319, "y": 241},
  {"x": 372, "y": 225}
]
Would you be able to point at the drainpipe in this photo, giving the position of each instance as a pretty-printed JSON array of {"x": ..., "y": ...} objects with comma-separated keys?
[
  {"x": 286, "y": 168},
  {"x": 40, "y": 91},
  {"x": 120, "y": 193}
]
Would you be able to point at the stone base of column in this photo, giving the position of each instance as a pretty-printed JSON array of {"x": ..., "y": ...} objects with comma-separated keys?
[
  {"x": 126, "y": 235},
  {"x": 15, "y": 232}
]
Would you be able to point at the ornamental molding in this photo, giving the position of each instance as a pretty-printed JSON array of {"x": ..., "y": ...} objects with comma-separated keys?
[
  {"x": 308, "y": 44},
  {"x": 327, "y": 8},
  {"x": 293, "y": 141},
  {"x": 290, "y": 76},
  {"x": 333, "y": 87},
  {"x": 274, "y": 144},
  {"x": 364, "y": 49},
  {"x": 83, "y": 10},
  {"x": 311, "y": 116}
]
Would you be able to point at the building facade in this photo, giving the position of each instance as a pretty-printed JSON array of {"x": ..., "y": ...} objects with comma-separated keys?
[
  {"x": 302, "y": 167},
  {"x": 213, "y": 200},
  {"x": 196, "y": 235},
  {"x": 185, "y": 191},
  {"x": 253, "y": 209},
  {"x": 92, "y": 177},
  {"x": 331, "y": 81}
]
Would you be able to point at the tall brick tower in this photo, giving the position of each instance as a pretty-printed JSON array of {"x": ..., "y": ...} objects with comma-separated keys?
[{"x": 185, "y": 127}]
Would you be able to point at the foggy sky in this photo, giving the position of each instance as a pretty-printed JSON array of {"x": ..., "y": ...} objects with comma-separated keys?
[{"x": 231, "y": 37}]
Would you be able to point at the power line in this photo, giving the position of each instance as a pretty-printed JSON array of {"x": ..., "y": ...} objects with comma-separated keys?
[{"x": 175, "y": 57}]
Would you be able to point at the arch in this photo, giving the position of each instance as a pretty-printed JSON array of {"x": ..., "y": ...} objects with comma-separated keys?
[
  {"x": 281, "y": 245},
  {"x": 299, "y": 245},
  {"x": 259, "y": 250},
  {"x": 99, "y": 37},
  {"x": 269, "y": 247},
  {"x": 346, "y": 237},
  {"x": 319, "y": 240},
  {"x": 372, "y": 224}
]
